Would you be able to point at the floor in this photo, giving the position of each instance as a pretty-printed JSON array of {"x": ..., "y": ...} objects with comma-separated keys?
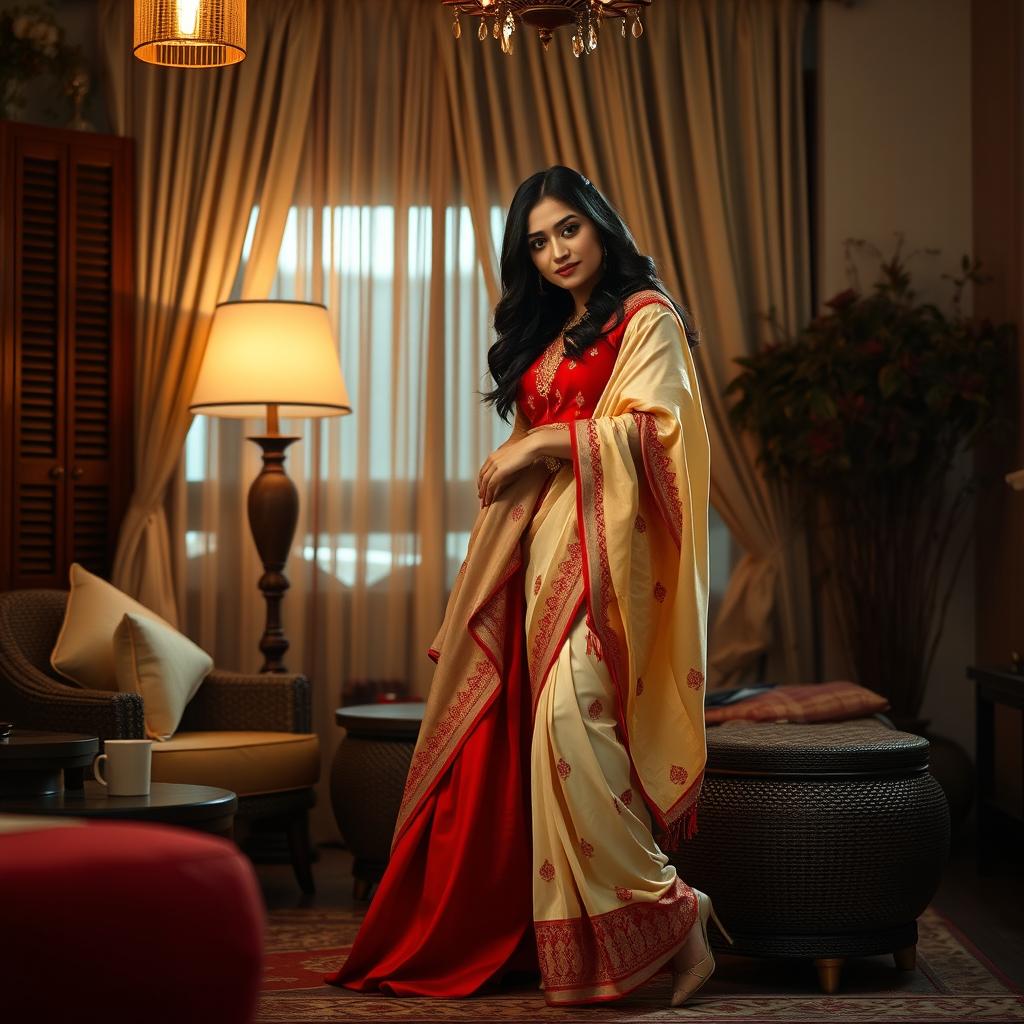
[{"x": 986, "y": 909}]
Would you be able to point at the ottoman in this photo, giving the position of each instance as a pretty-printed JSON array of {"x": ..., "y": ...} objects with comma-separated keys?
[
  {"x": 124, "y": 921},
  {"x": 821, "y": 841}
]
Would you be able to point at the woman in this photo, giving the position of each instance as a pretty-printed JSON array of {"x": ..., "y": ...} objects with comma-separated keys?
[{"x": 565, "y": 720}]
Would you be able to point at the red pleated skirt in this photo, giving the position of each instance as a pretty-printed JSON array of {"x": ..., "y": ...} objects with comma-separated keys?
[{"x": 453, "y": 912}]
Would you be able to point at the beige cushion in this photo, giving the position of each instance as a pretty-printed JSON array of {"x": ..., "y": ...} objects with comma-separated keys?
[
  {"x": 247, "y": 763},
  {"x": 84, "y": 652},
  {"x": 163, "y": 666}
]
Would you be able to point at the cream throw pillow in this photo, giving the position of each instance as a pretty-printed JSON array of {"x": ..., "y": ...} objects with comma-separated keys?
[
  {"x": 84, "y": 652},
  {"x": 165, "y": 667}
]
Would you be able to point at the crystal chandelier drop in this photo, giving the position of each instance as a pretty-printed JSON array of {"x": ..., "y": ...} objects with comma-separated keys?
[{"x": 501, "y": 18}]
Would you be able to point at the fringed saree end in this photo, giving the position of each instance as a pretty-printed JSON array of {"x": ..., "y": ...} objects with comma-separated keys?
[{"x": 684, "y": 827}]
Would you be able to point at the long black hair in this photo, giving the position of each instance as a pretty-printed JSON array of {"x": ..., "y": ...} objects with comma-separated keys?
[{"x": 531, "y": 311}]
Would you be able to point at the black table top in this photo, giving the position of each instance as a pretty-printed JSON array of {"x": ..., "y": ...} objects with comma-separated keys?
[
  {"x": 35, "y": 745},
  {"x": 1000, "y": 684},
  {"x": 400, "y": 719},
  {"x": 167, "y": 802}
]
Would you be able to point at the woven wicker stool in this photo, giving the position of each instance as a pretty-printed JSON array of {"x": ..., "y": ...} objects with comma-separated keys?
[
  {"x": 367, "y": 780},
  {"x": 823, "y": 841}
]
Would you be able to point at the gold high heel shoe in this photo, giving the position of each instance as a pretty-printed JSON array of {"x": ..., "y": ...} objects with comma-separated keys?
[{"x": 687, "y": 978}]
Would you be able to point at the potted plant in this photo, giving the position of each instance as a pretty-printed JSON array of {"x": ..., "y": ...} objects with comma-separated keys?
[{"x": 863, "y": 413}]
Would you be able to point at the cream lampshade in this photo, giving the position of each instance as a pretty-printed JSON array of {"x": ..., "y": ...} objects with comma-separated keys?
[
  {"x": 280, "y": 358},
  {"x": 270, "y": 352},
  {"x": 190, "y": 33}
]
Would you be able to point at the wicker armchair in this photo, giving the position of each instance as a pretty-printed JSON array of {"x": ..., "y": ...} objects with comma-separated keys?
[{"x": 34, "y": 696}]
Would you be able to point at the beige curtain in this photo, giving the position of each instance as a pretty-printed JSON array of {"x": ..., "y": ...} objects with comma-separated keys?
[
  {"x": 209, "y": 145},
  {"x": 695, "y": 133},
  {"x": 377, "y": 231}
]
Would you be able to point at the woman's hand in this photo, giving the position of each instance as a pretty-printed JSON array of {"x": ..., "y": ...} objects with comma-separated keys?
[{"x": 502, "y": 466}]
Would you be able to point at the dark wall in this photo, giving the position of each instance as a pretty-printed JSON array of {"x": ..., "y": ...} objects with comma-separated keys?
[{"x": 46, "y": 102}]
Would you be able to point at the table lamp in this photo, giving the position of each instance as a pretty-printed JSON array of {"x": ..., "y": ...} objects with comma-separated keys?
[{"x": 278, "y": 358}]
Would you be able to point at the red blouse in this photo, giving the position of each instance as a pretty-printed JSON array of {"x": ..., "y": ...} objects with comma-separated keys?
[{"x": 559, "y": 388}]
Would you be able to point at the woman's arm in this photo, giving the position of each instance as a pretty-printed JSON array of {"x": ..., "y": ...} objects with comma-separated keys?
[{"x": 551, "y": 441}]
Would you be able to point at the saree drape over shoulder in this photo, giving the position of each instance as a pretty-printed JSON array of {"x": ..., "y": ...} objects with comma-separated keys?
[{"x": 564, "y": 726}]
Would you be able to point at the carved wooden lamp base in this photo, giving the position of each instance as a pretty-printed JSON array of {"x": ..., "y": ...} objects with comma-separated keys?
[{"x": 273, "y": 512}]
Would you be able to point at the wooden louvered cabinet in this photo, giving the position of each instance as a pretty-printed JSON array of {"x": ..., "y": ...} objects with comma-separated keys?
[{"x": 65, "y": 375}]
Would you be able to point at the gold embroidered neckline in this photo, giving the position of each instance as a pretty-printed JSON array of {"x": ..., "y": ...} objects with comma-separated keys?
[
  {"x": 553, "y": 356},
  {"x": 546, "y": 368}
]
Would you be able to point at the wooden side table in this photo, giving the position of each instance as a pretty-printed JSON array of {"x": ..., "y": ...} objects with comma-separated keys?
[{"x": 998, "y": 825}]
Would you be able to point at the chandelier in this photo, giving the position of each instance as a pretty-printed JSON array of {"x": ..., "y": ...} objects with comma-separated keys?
[
  {"x": 190, "y": 33},
  {"x": 501, "y": 18}
]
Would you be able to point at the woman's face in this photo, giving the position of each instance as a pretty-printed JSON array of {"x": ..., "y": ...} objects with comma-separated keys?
[{"x": 565, "y": 247}]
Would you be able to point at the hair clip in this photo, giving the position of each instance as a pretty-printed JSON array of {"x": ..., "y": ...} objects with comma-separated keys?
[{"x": 586, "y": 180}]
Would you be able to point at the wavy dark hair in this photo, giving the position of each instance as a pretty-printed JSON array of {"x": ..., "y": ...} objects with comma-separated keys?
[{"x": 531, "y": 311}]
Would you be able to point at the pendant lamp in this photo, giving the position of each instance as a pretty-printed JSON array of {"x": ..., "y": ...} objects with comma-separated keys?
[{"x": 190, "y": 33}]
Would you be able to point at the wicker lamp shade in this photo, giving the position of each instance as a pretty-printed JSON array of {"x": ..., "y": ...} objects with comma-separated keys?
[{"x": 190, "y": 33}]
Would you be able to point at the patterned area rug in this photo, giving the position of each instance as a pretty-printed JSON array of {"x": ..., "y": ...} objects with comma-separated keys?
[{"x": 953, "y": 981}]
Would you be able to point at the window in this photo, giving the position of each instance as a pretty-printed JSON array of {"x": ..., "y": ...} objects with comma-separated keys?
[{"x": 380, "y": 445}]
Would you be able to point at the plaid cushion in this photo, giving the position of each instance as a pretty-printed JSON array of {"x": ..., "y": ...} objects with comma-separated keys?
[{"x": 817, "y": 702}]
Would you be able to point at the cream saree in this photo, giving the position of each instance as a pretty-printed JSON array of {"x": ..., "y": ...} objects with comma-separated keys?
[{"x": 615, "y": 553}]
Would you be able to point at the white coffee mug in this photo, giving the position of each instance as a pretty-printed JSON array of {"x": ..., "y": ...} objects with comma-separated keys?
[{"x": 128, "y": 767}]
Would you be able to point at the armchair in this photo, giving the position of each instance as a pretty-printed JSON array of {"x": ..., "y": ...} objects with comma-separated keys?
[{"x": 247, "y": 733}]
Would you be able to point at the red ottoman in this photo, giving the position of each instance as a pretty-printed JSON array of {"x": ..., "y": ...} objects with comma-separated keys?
[{"x": 112, "y": 921}]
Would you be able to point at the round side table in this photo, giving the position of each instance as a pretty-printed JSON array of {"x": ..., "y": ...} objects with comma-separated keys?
[
  {"x": 367, "y": 781},
  {"x": 204, "y": 808},
  {"x": 32, "y": 762}
]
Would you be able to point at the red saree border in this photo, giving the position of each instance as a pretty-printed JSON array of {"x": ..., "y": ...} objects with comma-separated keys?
[
  {"x": 484, "y": 678},
  {"x": 590, "y": 495},
  {"x": 560, "y": 608},
  {"x": 568, "y": 621},
  {"x": 632, "y": 303},
  {"x": 434, "y": 747},
  {"x": 679, "y": 820},
  {"x": 605, "y": 956},
  {"x": 657, "y": 466}
]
